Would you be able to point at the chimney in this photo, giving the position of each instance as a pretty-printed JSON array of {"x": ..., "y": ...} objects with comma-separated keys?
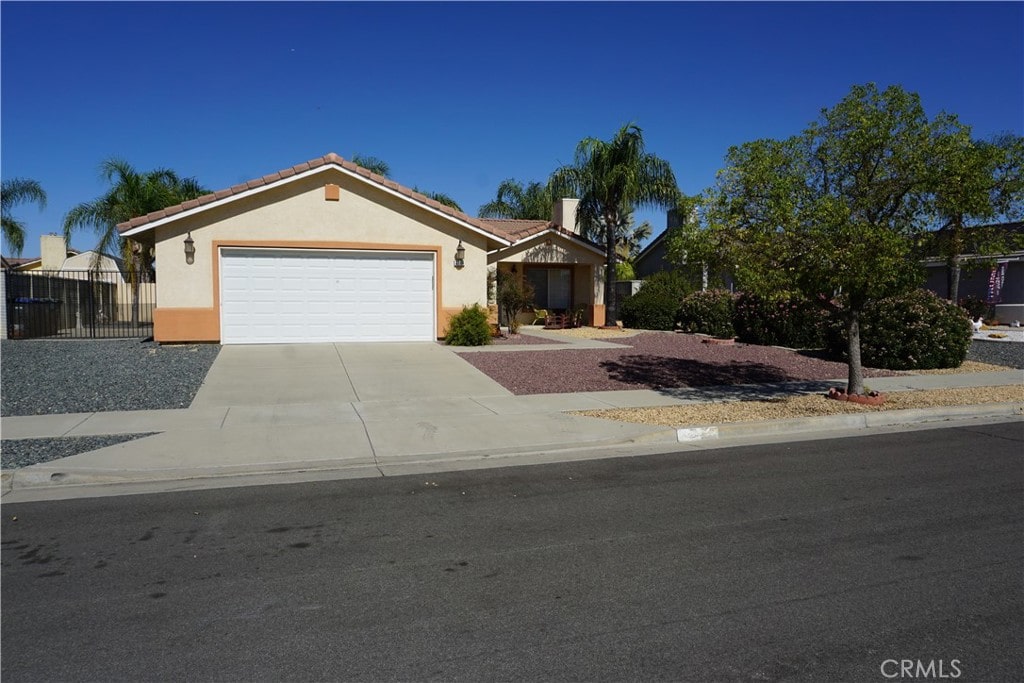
[
  {"x": 564, "y": 214},
  {"x": 53, "y": 250}
]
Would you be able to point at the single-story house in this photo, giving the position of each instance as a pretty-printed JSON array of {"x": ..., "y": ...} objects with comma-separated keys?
[
  {"x": 59, "y": 261},
  {"x": 329, "y": 251},
  {"x": 998, "y": 280}
]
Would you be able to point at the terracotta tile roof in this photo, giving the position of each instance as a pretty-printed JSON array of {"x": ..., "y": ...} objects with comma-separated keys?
[
  {"x": 511, "y": 230},
  {"x": 14, "y": 261},
  {"x": 516, "y": 229},
  {"x": 332, "y": 159}
]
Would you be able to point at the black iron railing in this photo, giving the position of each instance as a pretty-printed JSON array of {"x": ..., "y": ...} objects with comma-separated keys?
[{"x": 77, "y": 304}]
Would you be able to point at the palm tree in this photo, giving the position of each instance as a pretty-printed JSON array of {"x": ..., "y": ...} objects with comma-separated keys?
[
  {"x": 381, "y": 168},
  {"x": 131, "y": 194},
  {"x": 515, "y": 201},
  {"x": 372, "y": 164},
  {"x": 440, "y": 197},
  {"x": 609, "y": 177},
  {"x": 16, "y": 191}
]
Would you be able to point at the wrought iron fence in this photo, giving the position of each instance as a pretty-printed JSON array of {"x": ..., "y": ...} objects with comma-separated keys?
[{"x": 77, "y": 304}]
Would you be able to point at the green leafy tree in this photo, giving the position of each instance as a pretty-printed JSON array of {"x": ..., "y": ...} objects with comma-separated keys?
[
  {"x": 513, "y": 200},
  {"x": 15, "y": 191},
  {"x": 976, "y": 182},
  {"x": 609, "y": 176},
  {"x": 832, "y": 213},
  {"x": 131, "y": 194}
]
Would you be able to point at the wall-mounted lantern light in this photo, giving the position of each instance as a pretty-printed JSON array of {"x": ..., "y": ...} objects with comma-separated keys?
[
  {"x": 190, "y": 249},
  {"x": 460, "y": 255}
]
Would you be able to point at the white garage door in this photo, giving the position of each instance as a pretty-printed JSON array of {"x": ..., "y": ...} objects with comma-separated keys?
[{"x": 287, "y": 295}]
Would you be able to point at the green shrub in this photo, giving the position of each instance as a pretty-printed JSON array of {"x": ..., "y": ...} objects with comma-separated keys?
[
  {"x": 914, "y": 331},
  {"x": 469, "y": 328},
  {"x": 791, "y": 321},
  {"x": 655, "y": 305},
  {"x": 709, "y": 312},
  {"x": 649, "y": 312}
]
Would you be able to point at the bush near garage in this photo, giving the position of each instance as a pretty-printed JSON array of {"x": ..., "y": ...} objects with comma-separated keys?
[
  {"x": 709, "y": 312},
  {"x": 655, "y": 305},
  {"x": 913, "y": 331},
  {"x": 792, "y": 321},
  {"x": 469, "y": 327}
]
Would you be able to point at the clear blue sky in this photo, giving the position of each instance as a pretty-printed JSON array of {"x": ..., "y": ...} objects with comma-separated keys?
[{"x": 456, "y": 97}]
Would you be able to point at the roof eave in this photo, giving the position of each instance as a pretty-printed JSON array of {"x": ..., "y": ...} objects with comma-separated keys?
[{"x": 128, "y": 231}]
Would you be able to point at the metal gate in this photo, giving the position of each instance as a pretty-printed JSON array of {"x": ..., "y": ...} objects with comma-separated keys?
[{"x": 77, "y": 304}]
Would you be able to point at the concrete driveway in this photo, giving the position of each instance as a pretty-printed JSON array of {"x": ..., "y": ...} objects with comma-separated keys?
[{"x": 280, "y": 374}]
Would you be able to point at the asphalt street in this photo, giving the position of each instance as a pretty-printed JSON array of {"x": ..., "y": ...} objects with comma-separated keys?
[{"x": 819, "y": 560}]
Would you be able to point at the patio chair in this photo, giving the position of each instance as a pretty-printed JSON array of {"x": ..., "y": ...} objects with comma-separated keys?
[{"x": 540, "y": 314}]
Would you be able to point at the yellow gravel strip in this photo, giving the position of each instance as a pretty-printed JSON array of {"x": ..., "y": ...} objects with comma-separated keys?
[
  {"x": 805, "y": 406},
  {"x": 968, "y": 366},
  {"x": 596, "y": 333}
]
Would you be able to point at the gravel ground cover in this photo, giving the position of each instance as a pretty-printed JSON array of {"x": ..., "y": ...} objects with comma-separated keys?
[
  {"x": 805, "y": 406},
  {"x": 41, "y": 377},
  {"x": 597, "y": 332},
  {"x": 1007, "y": 354},
  {"x": 520, "y": 339},
  {"x": 15, "y": 453},
  {"x": 653, "y": 360}
]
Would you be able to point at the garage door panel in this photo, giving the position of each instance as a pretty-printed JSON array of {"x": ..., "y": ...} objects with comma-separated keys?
[{"x": 274, "y": 296}]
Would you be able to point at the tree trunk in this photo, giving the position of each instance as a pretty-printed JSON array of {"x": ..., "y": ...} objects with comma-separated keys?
[
  {"x": 611, "y": 300},
  {"x": 855, "y": 376},
  {"x": 953, "y": 279}
]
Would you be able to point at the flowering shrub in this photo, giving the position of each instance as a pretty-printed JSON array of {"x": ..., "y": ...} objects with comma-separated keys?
[
  {"x": 914, "y": 331},
  {"x": 709, "y": 312},
  {"x": 793, "y": 321}
]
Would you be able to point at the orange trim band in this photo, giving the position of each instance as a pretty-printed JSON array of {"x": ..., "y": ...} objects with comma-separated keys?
[{"x": 186, "y": 325}]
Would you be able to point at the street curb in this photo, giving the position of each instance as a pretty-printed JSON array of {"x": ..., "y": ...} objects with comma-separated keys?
[
  {"x": 42, "y": 478},
  {"x": 884, "y": 418}
]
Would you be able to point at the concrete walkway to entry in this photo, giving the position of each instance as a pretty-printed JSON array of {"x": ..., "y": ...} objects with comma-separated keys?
[{"x": 367, "y": 409}]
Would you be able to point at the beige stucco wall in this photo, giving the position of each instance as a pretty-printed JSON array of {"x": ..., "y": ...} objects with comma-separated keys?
[
  {"x": 538, "y": 250},
  {"x": 297, "y": 213}
]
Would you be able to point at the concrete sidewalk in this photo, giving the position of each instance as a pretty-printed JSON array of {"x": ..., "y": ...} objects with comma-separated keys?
[
  {"x": 378, "y": 437},
  {"x": 376, "y": 409}
]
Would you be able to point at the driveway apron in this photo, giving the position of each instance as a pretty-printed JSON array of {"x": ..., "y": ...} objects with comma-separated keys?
[{"x": 282, "y": 374}]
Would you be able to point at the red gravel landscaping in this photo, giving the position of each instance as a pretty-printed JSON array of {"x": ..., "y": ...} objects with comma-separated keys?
[{"x": 652, "y": 360}]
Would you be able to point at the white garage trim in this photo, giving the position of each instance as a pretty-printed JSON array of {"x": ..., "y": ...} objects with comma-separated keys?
[{"x": 280, "y": 295}]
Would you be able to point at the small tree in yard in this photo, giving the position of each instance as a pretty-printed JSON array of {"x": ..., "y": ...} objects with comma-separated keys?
[
  {"x": 832, "y": 213},
  {"x": 513, "y": 297}
]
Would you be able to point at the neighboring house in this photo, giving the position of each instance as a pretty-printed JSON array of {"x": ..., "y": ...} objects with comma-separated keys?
[
  {"x": 996, "y": 279},
  {"x": 328, "y": 251},
  {"x": 653, "y": 258},
  {"x": 59, "y": 261}
]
